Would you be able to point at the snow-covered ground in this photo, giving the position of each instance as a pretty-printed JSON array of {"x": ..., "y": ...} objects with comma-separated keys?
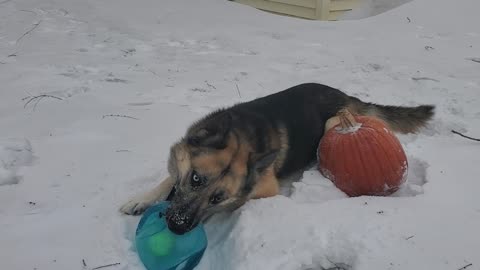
[
  {"x": 121, "y": 80},
  {"x": 367, "y": 8}
]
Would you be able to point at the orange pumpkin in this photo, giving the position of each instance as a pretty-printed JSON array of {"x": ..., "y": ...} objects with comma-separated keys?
[{"x": 361, "y": 156}]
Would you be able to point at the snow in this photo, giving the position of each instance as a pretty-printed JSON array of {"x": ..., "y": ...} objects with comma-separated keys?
[
  {"x": 123, "y": 80},
  {"x": 14, "y": 153}
]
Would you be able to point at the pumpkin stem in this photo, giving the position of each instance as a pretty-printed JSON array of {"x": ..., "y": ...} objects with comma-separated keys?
[{"x": 346, "y": 119}]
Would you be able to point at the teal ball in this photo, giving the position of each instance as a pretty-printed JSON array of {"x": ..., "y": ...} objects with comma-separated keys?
[{"x": 161, "y": 249}]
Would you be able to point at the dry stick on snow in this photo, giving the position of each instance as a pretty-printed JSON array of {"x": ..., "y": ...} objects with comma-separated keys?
[
  {"x": 410, "y": 237},
  {"x": 238, "y": 91},
  {"x": 424, "y": 79},
  {"x": 210, "y": 85},
  {"x": 104, "y": 266},
  {"x": 84, "y": 263},
  {"x": 37, "y": 99},
  {"x": 465, "y": 136},
  {"x": 29, "y": 31},
  {"x": 466, "y": 266},
  {"x": 154, "y": 73},
  {"x": 119, "y": 115},
  {"x": 29, "y": 11},
  {"x": 474, "y": 59},
  {"x": 338, "y": 266}
]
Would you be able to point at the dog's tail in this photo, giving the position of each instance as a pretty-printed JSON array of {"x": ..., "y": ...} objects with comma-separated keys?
[{"x": 398, "y": 118}]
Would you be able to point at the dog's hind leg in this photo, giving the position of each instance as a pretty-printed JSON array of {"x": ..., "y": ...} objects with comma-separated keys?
[{"x": 138, "y": 204}]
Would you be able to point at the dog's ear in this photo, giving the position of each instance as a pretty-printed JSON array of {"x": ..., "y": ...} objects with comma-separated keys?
[
  {"x": 213, "y": 133},
  {"x": 259, "y": 162}
]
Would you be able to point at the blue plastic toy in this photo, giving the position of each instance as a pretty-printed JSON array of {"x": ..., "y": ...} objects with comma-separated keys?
[{"x": 161, "y": 249}]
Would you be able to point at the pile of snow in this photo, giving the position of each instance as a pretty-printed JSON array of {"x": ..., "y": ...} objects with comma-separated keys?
[{"x": 123, "y": 79}]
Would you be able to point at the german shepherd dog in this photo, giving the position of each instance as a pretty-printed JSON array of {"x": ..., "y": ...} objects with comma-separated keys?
[{"x": 238, "y": 153}]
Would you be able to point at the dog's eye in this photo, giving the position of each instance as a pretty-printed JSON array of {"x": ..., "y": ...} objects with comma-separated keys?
[
  {"x": 217, "y": 198},
  {"x": 196, "y": 180}
]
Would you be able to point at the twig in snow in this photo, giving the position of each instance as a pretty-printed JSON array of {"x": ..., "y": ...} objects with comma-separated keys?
[
  {"x": 210, "y": 85},
  {"x": 12, "y": 54},
  {"x": 410, "y": 237},
  {"x": 104, "y": 266},
  {"x": 338, "y": 266},
  {"x": 238, "y": 91},
  {"x": 37, "y": 99},
  {"x": 84, "y": 263},
  {"x": 474, "y": 59},
  {"x": 154, "y": 73},
  {"x": 424, "y": 79},
  {"x": 24, "y": 10},
  {"x": 119, "y": 115},
  {"x": 408, "y": 19},
  {"x": 466, "y": 266},
  {"x": 128, "y": 52},
  {"x": 28, "y": 32},
  {"x": 465, "y": 136}
]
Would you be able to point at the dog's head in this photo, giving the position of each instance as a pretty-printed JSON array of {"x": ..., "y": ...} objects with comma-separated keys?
[{"x": 214, "y": 169}]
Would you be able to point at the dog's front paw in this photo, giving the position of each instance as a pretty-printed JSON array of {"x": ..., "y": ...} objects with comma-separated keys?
[{"x": 135, "y": 207}]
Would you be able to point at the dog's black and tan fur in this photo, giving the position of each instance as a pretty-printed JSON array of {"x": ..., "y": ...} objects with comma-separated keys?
[{"x": 239, "y": 153}]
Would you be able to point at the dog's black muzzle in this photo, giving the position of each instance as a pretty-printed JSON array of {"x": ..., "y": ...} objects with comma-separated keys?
[
  {"x": 181, "y": 215},
  {"x": 179, "y": 222}
]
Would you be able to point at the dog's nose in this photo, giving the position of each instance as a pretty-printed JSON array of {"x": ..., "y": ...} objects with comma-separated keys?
[{"x": 179, "y": 223}]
